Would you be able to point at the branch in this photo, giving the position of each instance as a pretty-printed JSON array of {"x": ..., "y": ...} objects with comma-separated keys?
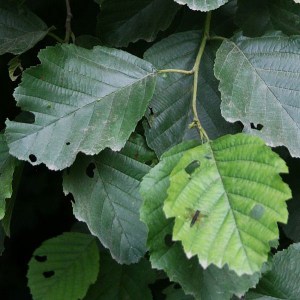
[{"x": 68, "y": 22}]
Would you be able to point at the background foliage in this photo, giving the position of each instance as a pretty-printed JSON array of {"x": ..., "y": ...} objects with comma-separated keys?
[{"x": 148, "y": 148}]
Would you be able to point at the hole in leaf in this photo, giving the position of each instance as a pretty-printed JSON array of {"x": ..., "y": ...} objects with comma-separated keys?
[
  {"x": 32, "y": 158},
  {"x": 190, "y": 169},
  {"x": 90, "y": 170},
  {"x": 68, "y": 143},
  {"x": 177, "y": 286},
  {"x": 257, "y": 127},
  {"x": 26, "y": 117},
  {"x": 48, "y": 274},
  {"x": 40, "y": 258},
  {"x": 168, "y": 240}
]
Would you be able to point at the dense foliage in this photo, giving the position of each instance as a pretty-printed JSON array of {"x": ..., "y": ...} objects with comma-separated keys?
[{"x": 148, "y": 149}]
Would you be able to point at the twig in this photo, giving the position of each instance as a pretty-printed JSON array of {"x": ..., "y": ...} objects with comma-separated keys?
[{"x": 68, "y": 22}]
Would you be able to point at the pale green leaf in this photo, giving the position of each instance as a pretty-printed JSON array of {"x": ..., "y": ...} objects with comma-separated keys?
[
  {"x": 282, "y": 281},
  {"x": 106, "y": 193},
  {"x": 20, "y": 29},
  {"x": 167, "y": 255},
  {"x": 117, "y": 282},
  {"x": 123, "y": 21},
  {"x": 83, "y": 100},
  {"x": 227, "y": 197},
  {"x": 203, "y": 5},
  {"x": 171, "y": 110},
  {"x": 7, "y": 168},
  {"x": 64, "y": 267},
  {"x": 260, "y": 86}
]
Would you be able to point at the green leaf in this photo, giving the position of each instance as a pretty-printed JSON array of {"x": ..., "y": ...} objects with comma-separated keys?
[
  {"x": 203, "y": 5},
  {"x": 171, "y": 110},
  {"x": 227, "y": 207},
  {"x": 83, "y": 100},
  {"x": 123, "y": 21},
  {"x": 167, "y": 255},
  {"x": 106, "y": 193},
  {"x": 64, "y": 267},
  {"x": 7, "y": 168},
  {"x": 2, "y": 238},
  {"x": 260, "y": 86},
  {"x": 282, "y": 281},
  {"x": 117, "y": 282},
  {"x": 20, "y": 29},
  {"x": 173, "y": 293},
  {"x": 281, "y": 15}
]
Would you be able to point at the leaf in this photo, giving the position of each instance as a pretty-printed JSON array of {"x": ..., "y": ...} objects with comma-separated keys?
[
  {"x": 281, "y": 15},
  {"x": 2, "y": 238},
  {"x": 202, "y": 5},
  {"x": 117, "y": 282},
  {"x": 171, "y": 110},
  {"x": 226, "y": 209},
  {"x": 64, "y": 267},
  {"x": 259, "y": 84},
  {"x": 20, "y": 29},
  {"x": 7, "y": 168},
  {"x": 105, "y": 189},
  {"x": 123, "y": 21},
  {"x": 167, "y": 255},
  {"x": 282, "y": 281},
  {"x": 173, "y": 293},
  {"x": 83, "y": 100}
]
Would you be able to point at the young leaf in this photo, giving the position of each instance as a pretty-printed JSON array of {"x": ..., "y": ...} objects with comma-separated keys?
[
  {"x": 260, "y": 86},
  {"x": 105, "y": 189},
  {"x": 282, "y": 281},
  {"x": 7, "y": 168},
  {"x": 20, "y": 29},
  {"x": 64, "y": 267},
  {"x": 167, "y": 255},
  {"x": 171, "y": 111},
  {"x": 123, "y": 21},
  {"x": 227, "y": 207},
  {"x": 83, "y": 100},
  {"x": 117, "y": 282},
  {"x": 202, "y": 5}
]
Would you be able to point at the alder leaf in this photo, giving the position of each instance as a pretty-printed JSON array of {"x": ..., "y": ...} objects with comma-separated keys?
[
  {"x": 203, "y": 5},
  {"x": 20, "y": 29},
  {"x": 121, "y": 282},
  {"x": 123, "y": 21},
  {"x": 282, "y": 281},
  {"x": 260, "y": 86},
  {"x": 106, "y": 193},
  {"x": 83, "y": 100},
  {"x": 64, "y": 267},
  {"x": 171, "y": 109},
  {"x": 7, "y": 168},
  {"x": 227, "y": 197},
  {"x": 167, "y": 255}
]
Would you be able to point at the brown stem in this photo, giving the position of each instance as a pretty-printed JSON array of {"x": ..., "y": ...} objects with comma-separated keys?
[{"x": 68, "y": 22}]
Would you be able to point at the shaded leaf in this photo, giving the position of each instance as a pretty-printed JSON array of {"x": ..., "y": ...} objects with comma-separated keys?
[
  {"x": 106, "y": 193},
  {"x": 7, "y": 168},
  {"x": 259, "y": 83},
  {"x": 117, "y": 282},
  {"x": 167, "y": 255},
  {"x": 226, "y": 211},
  {"x": 83, "y": 100},
  {"x": 173, "y": 293},
  {"x": 171, "y": 109},
  {"x": 64, "y": 267},
  {"x": 123, "y": 21},
  {"x": 20, "y": 29},
  {"x": 202, "y": 5},
  {"x": 2, "y": 238}
]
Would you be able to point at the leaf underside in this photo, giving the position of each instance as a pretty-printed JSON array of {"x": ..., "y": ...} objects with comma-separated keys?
[
  {"x": 83, "y": 101},
  {"x": 203, "y": 5}
]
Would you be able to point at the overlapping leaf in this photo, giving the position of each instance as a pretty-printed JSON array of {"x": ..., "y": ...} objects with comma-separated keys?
[
  {"x": 212, "y": 283},
  {"x": 171, "y": 111},
  {"x": 203, "y": 5},
  {"x": 260, "y": 86},
  {"x": 64, "y": 267},
  {"x": 106, "y": 192},
  {"x": 83, "y": 100},
  {"x": 227, "y": 197},
  {"x": 7, "y": 168},
  {"x": 20, "y": 29},
  {"x": 123, "y": 21}
]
